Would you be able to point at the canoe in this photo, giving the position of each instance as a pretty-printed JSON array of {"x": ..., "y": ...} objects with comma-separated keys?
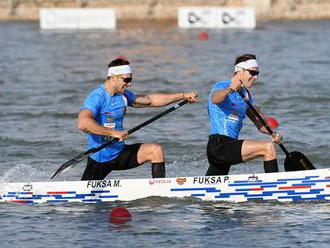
[{"x": 305, "y": 185}]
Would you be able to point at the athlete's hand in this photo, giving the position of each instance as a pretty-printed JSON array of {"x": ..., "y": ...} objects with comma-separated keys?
[
  {"x": 235, "y": 85},
  {"x": 277, "y": 138},
  {"x": 190, "y": 96},
  {"x": 121, "y": 135}
]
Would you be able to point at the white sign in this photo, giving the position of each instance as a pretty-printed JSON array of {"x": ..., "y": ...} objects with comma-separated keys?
[
  {"x": 201, "y": 17},
  {"x": 77, "y": 19}
]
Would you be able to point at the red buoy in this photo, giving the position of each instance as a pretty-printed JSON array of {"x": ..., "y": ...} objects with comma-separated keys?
[
  {"x": 119, "y": 215},
  {"x": 122, "y": 57},
  {"x": 272, "y": 122},
  {"x": 203, "y": 36}
]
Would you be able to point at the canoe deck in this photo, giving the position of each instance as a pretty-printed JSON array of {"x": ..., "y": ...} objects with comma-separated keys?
[{"x": 282, "y": 186}]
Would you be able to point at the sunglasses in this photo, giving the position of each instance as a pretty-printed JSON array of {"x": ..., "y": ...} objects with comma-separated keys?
[
  {"x": 252, "y": 72},
  {"x": 127, "y": 80}
]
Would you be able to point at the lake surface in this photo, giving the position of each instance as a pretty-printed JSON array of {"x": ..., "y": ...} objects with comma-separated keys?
[{"x": 45, "y": 76}]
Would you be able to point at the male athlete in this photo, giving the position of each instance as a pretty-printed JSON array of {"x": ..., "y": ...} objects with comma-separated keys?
[
  {"x": 227, "y": 110},
  {"x": 101, "y": 117}
]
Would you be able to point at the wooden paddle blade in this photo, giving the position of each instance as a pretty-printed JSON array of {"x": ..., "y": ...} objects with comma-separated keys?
[{"x": 297, "y": 161}]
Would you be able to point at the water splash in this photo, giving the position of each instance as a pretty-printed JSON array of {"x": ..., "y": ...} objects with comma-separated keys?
[{"x": 23, "y": 173}]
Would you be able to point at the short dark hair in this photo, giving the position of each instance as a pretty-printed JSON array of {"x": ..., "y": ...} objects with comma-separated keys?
[
  {"x": 244, "y": 57},
  {"x": 118, "y": 62}
]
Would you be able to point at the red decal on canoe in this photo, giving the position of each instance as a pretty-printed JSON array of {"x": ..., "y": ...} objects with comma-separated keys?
[
  {"x": 57, "y": 193},
  {"x": 295, "y": 187}
]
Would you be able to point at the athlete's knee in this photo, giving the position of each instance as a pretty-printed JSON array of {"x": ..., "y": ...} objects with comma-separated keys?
[
  {"x": 157, "y": 150},
  {"x": 154, "y": 152},
  {"x": 270, "y": 149}
]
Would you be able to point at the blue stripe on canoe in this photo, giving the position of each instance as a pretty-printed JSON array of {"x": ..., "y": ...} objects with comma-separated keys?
[
  {"x": 254, "y": 198},
  {"x": 313, "y": 191},
  {"x": 303, "y": 184},
  {"x": 317, "y": 181},
  {"x": 92, "y": 200},
  {"x": 85, "y": 195},
  {"x": 263, "y": 194},
  {"x": 247, "y": 181},
  {"x": 191, "y": 189},
  {"x": 256, "y": 184},
  {"x": 27, "y": 198},
  {"x": 197, "y": 195},
  {"x": 52, "y": 201},
  {"x": 108, "y": 196},
  {"x": 294, "y": 179},
  {"x": 295, "y": 198},
  {"x": 9, "y": 195},
  {"x": 69, "y": 197},
  {"x": 227, "y": 195},
  {"x": 100, "y": 191}
]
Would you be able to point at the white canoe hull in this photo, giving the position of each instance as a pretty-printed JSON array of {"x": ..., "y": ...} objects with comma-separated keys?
[{"x": 283, "y": 186}]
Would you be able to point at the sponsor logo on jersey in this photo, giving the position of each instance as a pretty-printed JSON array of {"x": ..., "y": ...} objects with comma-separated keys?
[{"x": 109, "y": 125}]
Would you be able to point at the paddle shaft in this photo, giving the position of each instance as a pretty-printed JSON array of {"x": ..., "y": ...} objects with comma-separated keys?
[
  {"x": 134, "y": 129},
  {"x": 263, "y": 122},
  {"x": 72, "y": 162}
]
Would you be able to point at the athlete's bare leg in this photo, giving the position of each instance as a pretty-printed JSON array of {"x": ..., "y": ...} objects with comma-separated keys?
[
  {"x": 254, "y": 148},
  {"x": 150, "y": 152},
  {"x": 155, "y": 154}
]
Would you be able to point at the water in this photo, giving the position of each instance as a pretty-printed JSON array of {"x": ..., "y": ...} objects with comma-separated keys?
[{"x": 45, "y": 76}]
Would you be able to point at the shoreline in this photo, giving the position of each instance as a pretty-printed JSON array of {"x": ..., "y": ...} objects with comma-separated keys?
[{"x": 23, "y": 10}]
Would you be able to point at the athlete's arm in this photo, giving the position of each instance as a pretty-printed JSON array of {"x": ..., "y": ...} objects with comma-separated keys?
[
  {"x": 276, "y": 137},
  {"x": 256, "y": 120},
  {"x": 159, "y": 100},
  {"x": 87, "y": 124},
  {"x": 220, "y": 95}
]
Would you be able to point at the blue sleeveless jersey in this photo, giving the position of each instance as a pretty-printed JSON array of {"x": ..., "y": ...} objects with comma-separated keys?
[
  {"x": 109, "y": 112},
  {"x": 226, "y": 118}
]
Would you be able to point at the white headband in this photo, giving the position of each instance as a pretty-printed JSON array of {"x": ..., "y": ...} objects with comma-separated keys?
[
  {"x": 118, "y": 70},
  {"x": 246, "y": 65}
]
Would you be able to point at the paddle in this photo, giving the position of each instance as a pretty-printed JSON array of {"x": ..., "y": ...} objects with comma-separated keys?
[
  {"x": 72, "y": 162},
  {"x": 294, "y": 160}
]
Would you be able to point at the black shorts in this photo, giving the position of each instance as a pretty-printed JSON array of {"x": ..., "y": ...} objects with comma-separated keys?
[
  {"x": 222, "y": 152},
  {"x": 126, "y": 160}
]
